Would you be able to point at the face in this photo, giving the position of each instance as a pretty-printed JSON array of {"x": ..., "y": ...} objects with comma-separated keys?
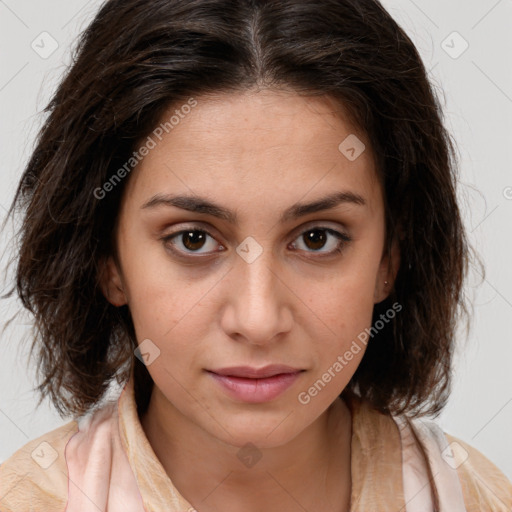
[{"x": 222, "y": 263}]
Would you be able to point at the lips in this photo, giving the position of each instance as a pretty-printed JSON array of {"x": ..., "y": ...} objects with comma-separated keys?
[
  {"x": 255, "y": 385},
  {"x": 256, "y": 373}
]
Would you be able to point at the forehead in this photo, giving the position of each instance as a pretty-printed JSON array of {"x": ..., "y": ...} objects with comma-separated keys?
[{"x": 272, "y": 143}]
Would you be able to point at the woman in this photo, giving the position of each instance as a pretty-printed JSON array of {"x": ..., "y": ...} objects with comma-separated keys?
[{"x": 244, "y": 212}]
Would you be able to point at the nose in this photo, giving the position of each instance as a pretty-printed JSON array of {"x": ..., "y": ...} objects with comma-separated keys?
[{"x": 257, "y": 309}]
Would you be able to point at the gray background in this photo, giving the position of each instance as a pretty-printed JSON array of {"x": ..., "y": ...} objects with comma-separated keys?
[{"x": 476, "y": 92}]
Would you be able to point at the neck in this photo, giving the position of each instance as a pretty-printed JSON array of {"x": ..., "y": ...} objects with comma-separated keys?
[{"x": 311, "y": 471}]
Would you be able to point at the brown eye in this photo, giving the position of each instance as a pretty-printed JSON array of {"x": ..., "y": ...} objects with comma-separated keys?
[
  {"x": 191, "y": 241},
  {"x": 315, "y": 239}
]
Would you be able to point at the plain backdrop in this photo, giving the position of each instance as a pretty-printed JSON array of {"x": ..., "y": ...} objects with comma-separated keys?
[{"x": 467, "y": 47}]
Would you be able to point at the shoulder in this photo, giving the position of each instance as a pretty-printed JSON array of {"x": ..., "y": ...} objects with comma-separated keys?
[
  {"x": 35, "y": 476},
  {"x": 484, "y": 486},
  {"x": 452, "y": 461}
]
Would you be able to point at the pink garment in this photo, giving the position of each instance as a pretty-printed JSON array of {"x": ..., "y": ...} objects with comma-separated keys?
[
  {"x": 100, "y": 476},
  {"x": 104, "y": 463}
]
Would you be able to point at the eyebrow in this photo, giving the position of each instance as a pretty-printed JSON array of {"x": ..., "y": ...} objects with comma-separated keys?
[{"x": 205, "y": 206}]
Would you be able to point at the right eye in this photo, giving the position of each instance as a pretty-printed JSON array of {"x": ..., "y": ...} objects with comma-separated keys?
[{"x": 189, "y": 241}]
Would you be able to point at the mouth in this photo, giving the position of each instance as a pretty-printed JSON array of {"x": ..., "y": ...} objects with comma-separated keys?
[
  {"x": 250, "y": 372},
  {"x": 255, "y": 385}
]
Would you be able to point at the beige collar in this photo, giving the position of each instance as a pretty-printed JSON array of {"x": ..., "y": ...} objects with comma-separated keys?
[{"x": 376, "y": 460}]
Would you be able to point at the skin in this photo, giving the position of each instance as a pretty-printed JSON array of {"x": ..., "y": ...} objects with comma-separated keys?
[{"x": 256, "y": 153}]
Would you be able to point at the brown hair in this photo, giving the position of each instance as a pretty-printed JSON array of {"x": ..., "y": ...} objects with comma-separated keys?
[{"x": 137, "y": 58}]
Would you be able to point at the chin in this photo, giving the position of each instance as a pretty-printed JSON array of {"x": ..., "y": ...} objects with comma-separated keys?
[{"x": 263, "y": 429}]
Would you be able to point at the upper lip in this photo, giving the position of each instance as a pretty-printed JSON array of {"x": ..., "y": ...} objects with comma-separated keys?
[{"x": 256, "y": 373}]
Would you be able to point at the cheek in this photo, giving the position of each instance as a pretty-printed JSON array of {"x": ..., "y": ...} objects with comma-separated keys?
[
  {"x": 167, "y": 306},
  {"x": 154, "y": 287},
  {"x": 164, "y": 305},
  {"x": 347, "y": 304},
  {"x": 348, "y": 316},
  {"x": 345, "y": 309}
]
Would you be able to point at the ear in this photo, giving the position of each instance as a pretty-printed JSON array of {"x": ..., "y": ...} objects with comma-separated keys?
[
  {"x": 386, "y": 275},
  {"x": 111, "y": 282}
]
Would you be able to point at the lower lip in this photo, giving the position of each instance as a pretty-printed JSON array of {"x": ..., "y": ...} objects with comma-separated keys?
[{"x": 256, "y": 390}]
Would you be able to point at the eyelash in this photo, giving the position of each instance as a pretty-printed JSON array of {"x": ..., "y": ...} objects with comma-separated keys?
[{"x": 342, "y": 237}]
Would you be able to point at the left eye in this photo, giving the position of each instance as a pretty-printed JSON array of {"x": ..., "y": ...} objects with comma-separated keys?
[
  {"x": 318, "y": 237},
  {"x": 314, "y": 239}
]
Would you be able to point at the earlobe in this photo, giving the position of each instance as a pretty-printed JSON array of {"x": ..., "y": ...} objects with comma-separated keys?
[
  {"x": 111, "y": 282},
  {"x": 388, "y": 269}
]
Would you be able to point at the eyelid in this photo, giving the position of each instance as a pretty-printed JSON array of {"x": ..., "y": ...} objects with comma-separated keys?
[
  {"x": 189, "y": 256},
  {"x": 320, "y": 224},
  {"x": 337, "y": 232}
]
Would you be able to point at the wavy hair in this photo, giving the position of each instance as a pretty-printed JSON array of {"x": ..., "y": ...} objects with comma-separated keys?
[{"x": 139, "y": 57}]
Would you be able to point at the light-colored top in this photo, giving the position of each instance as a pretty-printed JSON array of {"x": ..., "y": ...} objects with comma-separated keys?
[{"x": 104, "y": 462}]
